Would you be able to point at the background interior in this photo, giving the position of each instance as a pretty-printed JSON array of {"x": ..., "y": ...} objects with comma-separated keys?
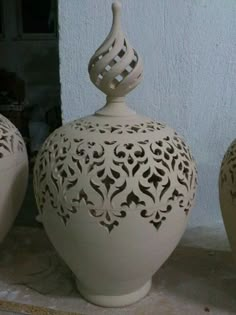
[{"x": 188, "y": 50}]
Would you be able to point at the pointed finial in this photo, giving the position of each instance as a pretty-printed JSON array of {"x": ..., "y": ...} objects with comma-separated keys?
[
  {"x": 115, "y": 68},
  {"x": 116, "y": 10}
]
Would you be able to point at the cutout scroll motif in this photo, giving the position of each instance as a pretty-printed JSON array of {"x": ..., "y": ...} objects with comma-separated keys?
[
  {"x": 152, "y": 175},
  {"x": 142, "y": 128},
  {"x": 11, "y": 140}
]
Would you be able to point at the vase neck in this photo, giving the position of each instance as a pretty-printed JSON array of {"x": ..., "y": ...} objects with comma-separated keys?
[{"x": 115, "y": 106}]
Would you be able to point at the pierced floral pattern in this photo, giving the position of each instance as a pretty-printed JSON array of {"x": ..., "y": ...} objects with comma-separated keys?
[
  {"x": 89, "y": 126},
  {"x": 11, "y": 140},
  {"x": 152, "y": 175}
]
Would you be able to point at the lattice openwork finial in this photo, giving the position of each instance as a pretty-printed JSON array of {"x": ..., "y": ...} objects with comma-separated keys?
[{"x": 115, "y": 68}]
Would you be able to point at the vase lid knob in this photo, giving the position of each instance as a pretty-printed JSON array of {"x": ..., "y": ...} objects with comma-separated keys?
[{"x": 115, "y": 68}]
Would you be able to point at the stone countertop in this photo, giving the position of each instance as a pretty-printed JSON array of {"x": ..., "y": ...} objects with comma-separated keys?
[{"x": 199, "y": 277}]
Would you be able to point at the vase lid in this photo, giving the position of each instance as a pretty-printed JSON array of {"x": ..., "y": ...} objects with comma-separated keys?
[{"x": 115, "y": 68}]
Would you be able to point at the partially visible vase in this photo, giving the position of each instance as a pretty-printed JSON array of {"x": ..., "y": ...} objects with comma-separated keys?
[
  {"x": 227, "y": 194},
  {"x": 13, "y": 174}
]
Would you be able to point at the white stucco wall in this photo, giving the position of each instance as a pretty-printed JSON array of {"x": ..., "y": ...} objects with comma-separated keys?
[{"x": 189, "y": 53}]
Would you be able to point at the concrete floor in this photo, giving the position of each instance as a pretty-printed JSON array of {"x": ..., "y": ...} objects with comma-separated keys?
[{"x": 199, "y": 278}]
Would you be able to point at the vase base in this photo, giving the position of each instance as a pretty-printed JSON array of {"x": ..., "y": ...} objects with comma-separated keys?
[{"x": 115, "y": 300}]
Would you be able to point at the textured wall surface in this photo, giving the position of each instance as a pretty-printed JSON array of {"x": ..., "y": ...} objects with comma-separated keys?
[{"x": 189, "y": 53}]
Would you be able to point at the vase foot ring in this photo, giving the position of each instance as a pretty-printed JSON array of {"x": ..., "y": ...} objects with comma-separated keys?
[{"x": 115, "y": 301}]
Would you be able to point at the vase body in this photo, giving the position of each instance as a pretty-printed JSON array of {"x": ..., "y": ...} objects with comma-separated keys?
[
  {"x": 227, "y": 194},
  {"x": 14, "y": 174},
  {"x": 114, "y": 194}
]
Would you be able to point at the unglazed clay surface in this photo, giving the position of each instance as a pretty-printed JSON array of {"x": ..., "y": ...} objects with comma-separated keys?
[
  {"x": 114, "y": 189},
  {"x": 114, "y": 199},
  {"x": 14, "y": 174},
  {"x": 110, "y": 169},
  {"x": 115, "y": 68},
  {"x": 227, "y": 191}
]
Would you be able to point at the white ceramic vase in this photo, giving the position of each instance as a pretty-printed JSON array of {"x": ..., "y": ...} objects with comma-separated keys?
[
  {"x": 114, "y": 189},
  {"x": 13, "y": 172},
  {"x": 227, "y": 194}
]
